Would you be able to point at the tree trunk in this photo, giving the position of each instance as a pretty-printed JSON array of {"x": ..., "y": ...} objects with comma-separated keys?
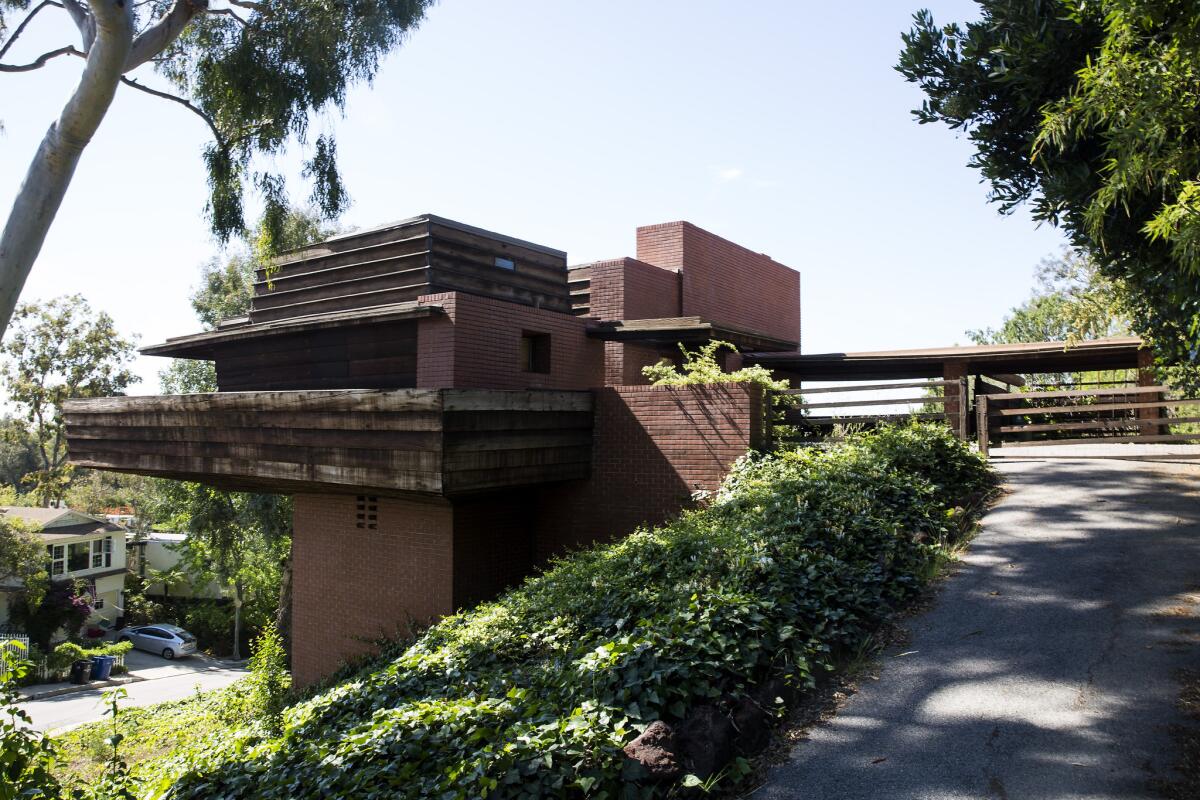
[
  {"x": 49, "y": 175},
  {"x": 283, "y": 615},
  {"x": 237, "y": 620}
]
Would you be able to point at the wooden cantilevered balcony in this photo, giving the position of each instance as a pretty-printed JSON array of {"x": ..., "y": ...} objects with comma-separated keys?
[{"x": 390, "y": 442}]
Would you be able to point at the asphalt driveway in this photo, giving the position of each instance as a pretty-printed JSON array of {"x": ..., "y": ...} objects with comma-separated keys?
[
  {"x": 1046, "y": 667},
  {"x": 159, "y": 681}
]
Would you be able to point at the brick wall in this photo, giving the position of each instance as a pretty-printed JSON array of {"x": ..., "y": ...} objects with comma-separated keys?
[
  {"x": 724, "y": 282},
  {"x": 477, "y": 344},
  {"x": 625, "y": 288},
  {"x": 652, "y": 447},
  {"x": 351, "y": 583}
]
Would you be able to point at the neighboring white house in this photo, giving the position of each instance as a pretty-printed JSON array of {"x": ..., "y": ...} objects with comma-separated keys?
[
  {"x": 156, "y": 552},
  {"x": 78, "y": 546}
]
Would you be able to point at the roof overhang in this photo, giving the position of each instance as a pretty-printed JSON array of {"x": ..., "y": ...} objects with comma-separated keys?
[
  {"x": 671, "y": 331},
  {"x": 201, "y": 345},
  {"x": 1015, "y": 359}
]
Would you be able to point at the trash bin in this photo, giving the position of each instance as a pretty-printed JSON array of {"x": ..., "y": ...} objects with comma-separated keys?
[
  {"x": 102, "y": 667},
  {"x": 80, "y": 670}
]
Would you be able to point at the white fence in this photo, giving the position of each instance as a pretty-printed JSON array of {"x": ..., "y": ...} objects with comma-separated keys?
[
  {"x": 18, "y": 645},
  {"x": 41, "y": 669}
]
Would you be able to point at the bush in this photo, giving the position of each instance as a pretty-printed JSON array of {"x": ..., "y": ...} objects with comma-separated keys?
[
  {"x": 800, "y": 556},
  {"x": 60, "y": 660}
]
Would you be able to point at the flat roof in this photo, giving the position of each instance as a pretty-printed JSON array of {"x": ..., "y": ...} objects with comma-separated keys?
[
  {"x": 435, "y": 219},
  {"x": 673, "y": 331},
  {"x": 197, "y": 345},
  {"x": 1020, "y": 359}
]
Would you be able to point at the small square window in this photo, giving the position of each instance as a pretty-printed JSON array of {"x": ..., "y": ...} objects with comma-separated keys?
[
  {"x": 535, "y": 352},
  {"x": 505, "y": 263},
  {"x": 98, "y": 603}
]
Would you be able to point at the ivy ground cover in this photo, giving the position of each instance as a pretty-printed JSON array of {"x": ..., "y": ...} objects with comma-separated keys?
[{"x": 799, "y": 556}]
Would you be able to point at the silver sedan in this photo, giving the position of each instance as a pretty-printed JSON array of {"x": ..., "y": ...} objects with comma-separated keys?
[{"x": 168, "y": 641}]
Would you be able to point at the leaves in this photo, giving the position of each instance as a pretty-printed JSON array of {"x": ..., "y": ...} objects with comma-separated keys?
[
  {"x": 1085, "y": 111},
  {"x": 535, "y": 694}
]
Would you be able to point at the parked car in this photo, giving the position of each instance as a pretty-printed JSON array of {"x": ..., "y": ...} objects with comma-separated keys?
[{"x": 169, "y": 641}]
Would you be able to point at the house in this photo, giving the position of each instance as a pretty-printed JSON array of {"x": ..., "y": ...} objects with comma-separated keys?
[
  {"x": 81, "y": 547},
  {"x": 449, "y": 407},
  {"x": 152, "y": 553}
]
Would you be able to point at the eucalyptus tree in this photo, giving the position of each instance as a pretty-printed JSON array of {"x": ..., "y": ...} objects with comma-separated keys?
[{"x": 254, "y": 71}]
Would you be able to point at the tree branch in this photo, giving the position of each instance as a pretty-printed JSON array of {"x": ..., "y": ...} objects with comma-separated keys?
[
  {"x": 41, "y": 60},
  {"x": 212, "y": 125},
  {"x": 25, "y": 22},
  {"x": 83, "y": 21},
  {"x": 228, "y": 12},
  {"x": 158, "y": 36}
]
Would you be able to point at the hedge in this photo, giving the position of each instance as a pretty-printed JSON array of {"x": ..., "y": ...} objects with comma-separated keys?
[{"x": 799, "y": 557}]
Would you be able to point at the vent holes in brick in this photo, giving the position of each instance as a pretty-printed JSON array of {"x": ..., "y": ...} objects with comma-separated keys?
[{"x": 367, "y": 512}]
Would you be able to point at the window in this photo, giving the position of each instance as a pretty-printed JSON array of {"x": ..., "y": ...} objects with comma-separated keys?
[
  {"x": 505, "y": 263},
  {"x": 78, "y": 556},
  {"x": 535, "y": 352},
  {"x": 367, "y": 512},
  {"x": 58, "y": 554},
  {"x": 97, "y": 553},
  {"x": 108, "y": 550},
  {"x": 98, "y": 603}
]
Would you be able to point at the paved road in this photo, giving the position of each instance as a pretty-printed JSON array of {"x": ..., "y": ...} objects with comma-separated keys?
[
  {"x": 1045, "y": 668},
  {"x": 163, "y": 681}
]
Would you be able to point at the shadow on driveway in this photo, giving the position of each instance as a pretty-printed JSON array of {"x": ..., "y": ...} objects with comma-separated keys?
[{"x": 1046, "y": 668}]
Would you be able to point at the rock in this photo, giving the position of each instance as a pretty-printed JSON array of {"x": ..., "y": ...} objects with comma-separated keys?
[
  {"x": 654, "y": 753},
  {"x": 753, "y": 727},
  {"x": 705, "y": 742}
]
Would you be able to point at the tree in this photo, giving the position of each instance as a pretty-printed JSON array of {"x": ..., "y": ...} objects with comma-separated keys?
[
  {"x": 255, "y": 71},
  {"x": 1073, "y": 302},
  {"x": 1083, "y": 109},
  {"x": 237, "y": 539},
  {"x": 59, "y": 350},
  {"x": 22, "y": 554}
]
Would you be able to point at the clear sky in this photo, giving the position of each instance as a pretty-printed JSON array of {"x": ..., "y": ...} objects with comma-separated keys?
[{"x": 779, "y": 124}]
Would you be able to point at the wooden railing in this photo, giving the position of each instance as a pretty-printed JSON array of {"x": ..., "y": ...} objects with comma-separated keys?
[
  {"x": 1083, "y": 416},
  {"x": 951, "y": 400}
]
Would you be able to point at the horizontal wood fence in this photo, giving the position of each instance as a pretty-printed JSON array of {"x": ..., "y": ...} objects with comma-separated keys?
[
  {"x": 1086, "y": 416},
  {"x": 796, "y": 421}
]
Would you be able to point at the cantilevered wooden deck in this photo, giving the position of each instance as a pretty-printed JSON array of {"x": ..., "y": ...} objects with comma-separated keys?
[{"x": 397, "y": 442}]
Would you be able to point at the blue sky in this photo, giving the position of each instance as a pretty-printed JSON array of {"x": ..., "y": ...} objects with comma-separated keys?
[{"x": 780, "y": 125}]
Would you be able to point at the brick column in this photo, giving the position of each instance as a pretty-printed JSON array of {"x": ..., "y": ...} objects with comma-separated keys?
[{"x": 353, "y": 584}]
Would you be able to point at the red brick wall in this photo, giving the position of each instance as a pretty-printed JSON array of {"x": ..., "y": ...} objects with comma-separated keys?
[
  {"x": 724, "y": 282},
  {"x": 351, "y": 583},
  {"x": 652, "y": 447},
  {"x": 477, "y": 344},
  {"x": 625, "y": 288}
]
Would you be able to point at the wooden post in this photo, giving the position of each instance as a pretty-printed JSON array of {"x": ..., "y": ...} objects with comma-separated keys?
[
  {"x": 955, "y": 393},
  {"x": 1146, "y": 377},
  {"x": 964, "y": 408},
  {"x": 981, "y": 419}
]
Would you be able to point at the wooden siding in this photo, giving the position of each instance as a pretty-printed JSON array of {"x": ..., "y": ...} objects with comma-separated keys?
[
  {"x": 382, "y": 356},
  {"x": 399, "y": 442},
  {"x": 425, "y": 255}
]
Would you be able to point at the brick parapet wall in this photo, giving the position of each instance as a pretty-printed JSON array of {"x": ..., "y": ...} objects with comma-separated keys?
[
  {"x": 653, "y": 446},
  {"x": 724, "y": 282},
  {"x": 476, "y": 344}
]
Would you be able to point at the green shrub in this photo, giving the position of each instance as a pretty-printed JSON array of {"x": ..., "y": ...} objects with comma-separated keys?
[
  {"x": 800, "y": 556},
  {"x": 59, "y": 661},
  {"x": 269, "y": 679}
]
